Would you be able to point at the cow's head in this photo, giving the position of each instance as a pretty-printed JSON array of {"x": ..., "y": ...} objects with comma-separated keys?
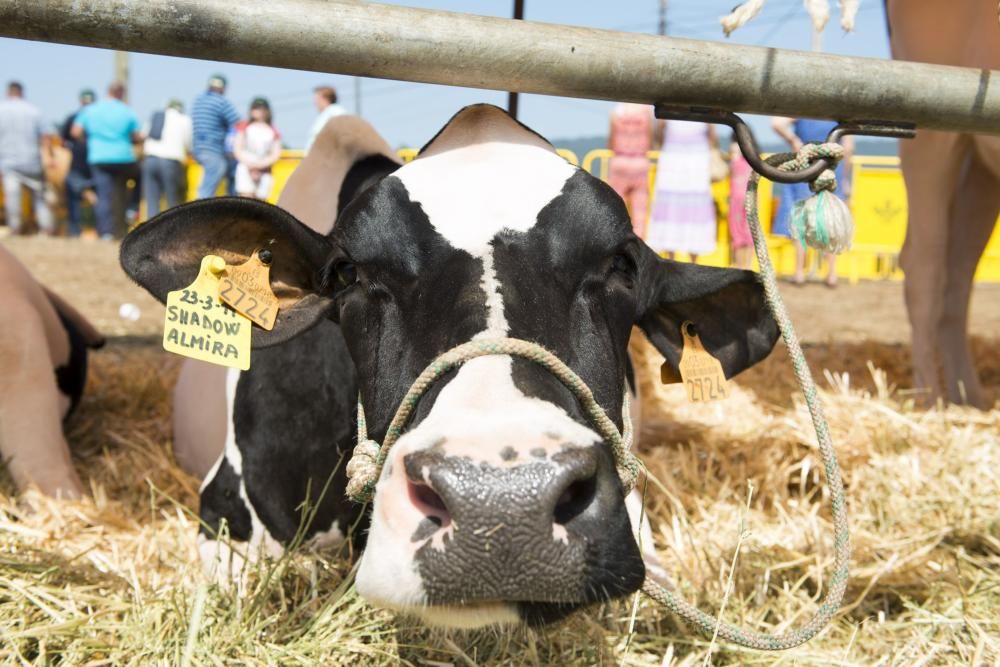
[{"x": 499, "y": 502}]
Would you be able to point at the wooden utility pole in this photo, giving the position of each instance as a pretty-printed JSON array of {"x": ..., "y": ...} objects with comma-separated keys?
[
  {"x": 661, "y": 29},
  {"x": 121, "y": 70},
  {"x": 512, "y": 97}
]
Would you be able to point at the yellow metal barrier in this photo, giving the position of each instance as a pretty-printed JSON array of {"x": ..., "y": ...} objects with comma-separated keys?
[{"x": 878, "y": 203}]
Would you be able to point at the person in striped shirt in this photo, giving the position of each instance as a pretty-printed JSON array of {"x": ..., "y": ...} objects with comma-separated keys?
[{"x": 212, "y": 116}]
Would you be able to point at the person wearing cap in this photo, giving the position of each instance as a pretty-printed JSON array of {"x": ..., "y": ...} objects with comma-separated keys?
[
  {"x": 79, "y": 179},
  {"x": 24, "y": 137},
  {"x": 257, "y": 148},
  {"x": 212, "y": 115},
  {"x": 168, "y": 143},
  {"x": 112, "y": 129}
]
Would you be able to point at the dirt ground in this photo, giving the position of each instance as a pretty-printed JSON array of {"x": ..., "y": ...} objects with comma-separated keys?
[{"x": 842, "y": 329}]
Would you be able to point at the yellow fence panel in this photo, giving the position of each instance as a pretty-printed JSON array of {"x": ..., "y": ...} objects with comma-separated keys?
[{"x": 878, "y": 202}]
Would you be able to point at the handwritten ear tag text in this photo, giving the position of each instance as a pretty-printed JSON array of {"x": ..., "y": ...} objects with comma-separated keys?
[
  {"x": 702, "y": 373},
  {"x": 199, "y": 326},
  {"x": 247, "y": 288}
]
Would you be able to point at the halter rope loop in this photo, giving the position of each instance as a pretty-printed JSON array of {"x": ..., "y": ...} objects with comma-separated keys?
[{"x": 366, "y": 464}]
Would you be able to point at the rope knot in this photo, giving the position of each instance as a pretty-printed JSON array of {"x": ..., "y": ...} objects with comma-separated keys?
[
  {"x": 362, "y": 471},
  {"x": 823, "y": 220}
]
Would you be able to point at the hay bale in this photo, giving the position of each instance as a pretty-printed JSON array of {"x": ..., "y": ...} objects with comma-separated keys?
[{"x": 116, "y": 579}]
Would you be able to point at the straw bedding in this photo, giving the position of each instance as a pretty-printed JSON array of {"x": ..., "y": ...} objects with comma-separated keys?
[{"x": 116, "y": 579}]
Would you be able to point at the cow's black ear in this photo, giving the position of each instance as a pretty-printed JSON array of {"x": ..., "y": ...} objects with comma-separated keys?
[
  {"x": 727, "y": 307},
  {"x": 165, "y": 254}
]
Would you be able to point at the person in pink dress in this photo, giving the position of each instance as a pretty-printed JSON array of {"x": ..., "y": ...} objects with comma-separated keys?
[
  {"x": 630, "y": 138},
  {"x": 740, "y": 241}
]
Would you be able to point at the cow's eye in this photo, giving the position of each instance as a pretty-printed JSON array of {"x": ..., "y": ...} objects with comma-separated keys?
[
  {"x": 347, "y": 275},
  {"x": 622, "y": 263}
]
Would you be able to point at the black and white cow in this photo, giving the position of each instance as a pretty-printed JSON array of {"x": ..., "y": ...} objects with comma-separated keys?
[
  {"x": 263, "y": 456},
  {"x": 499, "y": 503}
]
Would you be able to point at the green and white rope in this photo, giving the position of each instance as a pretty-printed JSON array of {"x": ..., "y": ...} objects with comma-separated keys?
[{"x": 366, "y": 464}]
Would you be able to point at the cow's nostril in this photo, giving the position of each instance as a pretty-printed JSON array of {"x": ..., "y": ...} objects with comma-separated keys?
[
  {"x": 426, "y": 499},
  {"x": 575, "y": 499}
]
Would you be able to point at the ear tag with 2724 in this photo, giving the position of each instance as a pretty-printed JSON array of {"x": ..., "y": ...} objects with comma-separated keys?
[
  {"x": 701, "y": 373},
  {"x": 198, "y": 325},
  {"x": 247, "y": 288}
]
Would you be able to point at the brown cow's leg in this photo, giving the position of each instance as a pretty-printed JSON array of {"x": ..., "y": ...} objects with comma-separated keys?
[
  {"x": 199, "y": 416},
  {"x": 973, "y": 216},
  {"x": 930, "y": 163},
  {"x": 31, "y": 438}
]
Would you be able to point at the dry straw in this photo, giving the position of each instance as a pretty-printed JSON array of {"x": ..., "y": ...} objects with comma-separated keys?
[{"x": 115, "y": 579}]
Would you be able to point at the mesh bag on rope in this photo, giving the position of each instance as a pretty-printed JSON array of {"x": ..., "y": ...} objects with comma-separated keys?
[{"x": 823, "y": 220}]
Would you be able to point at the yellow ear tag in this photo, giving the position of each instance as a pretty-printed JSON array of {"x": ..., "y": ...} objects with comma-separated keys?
[
  {"x": 199, "y": 326},
  {"x": 701, "y": 372},
  {"x": 247, "y": 288}
]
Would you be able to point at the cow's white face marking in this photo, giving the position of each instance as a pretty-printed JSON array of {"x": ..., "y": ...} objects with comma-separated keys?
[
  {"x": 482, "y": 175},
  {"x": 471, "y": 193}
]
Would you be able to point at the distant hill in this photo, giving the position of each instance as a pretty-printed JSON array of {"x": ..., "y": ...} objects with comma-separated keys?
[{"x": 864, "y": 145}]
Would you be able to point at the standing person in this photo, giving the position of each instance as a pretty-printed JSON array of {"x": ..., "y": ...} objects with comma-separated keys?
[
  {"x": 111, "y": 128},
  {"x": 683, "y": 218},
  {"x": 798, "y": 133},
  {"x": 630, "y": 138},
  {"x": 257, "y": 148},
  {"x": 168, "y": 143},
  {"x": 212, "y": 115},
  {"x": 325, "y": 99},
  {"x": 740, "y": 240},
  {"x": 79, "y": 178},
  {"x": 24, "y": 137}
]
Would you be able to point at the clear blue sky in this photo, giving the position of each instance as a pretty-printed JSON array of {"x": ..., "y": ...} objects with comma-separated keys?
[{"x": 407, "y": 113}]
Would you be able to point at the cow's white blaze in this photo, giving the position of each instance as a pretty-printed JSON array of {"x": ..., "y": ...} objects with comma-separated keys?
[{"x": 483, "y": 174}]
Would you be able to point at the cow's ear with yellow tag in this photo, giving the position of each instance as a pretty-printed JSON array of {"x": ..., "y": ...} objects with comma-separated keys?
[
  {"x": 198, "y": 325},
  {"x": 701, "y": 373},
  {"x": 247, "y": 289}
]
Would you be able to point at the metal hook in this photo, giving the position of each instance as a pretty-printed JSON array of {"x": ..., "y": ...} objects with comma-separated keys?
[{"x": 748, "y": 145}]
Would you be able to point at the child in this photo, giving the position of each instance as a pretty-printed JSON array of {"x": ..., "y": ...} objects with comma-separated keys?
[
  {"x": 257, "y": 148},
  {"x": 739, "y": 232}
]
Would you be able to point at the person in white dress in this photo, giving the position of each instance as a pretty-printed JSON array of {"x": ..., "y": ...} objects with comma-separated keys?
[{"x": 683, "y": 217}]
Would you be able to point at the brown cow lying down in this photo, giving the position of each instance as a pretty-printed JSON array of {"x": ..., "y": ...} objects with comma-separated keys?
[{"x": 43, "y": 360}]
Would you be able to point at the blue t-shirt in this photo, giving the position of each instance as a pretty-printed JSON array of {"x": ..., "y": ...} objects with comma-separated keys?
[
  {"x": 813, "y": 131},
  {"x": 212, "y": 115},
  {"x": 109, "y": 125}
]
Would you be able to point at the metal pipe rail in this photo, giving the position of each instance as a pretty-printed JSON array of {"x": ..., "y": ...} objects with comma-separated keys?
[{"x": 345, "y": 37}]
